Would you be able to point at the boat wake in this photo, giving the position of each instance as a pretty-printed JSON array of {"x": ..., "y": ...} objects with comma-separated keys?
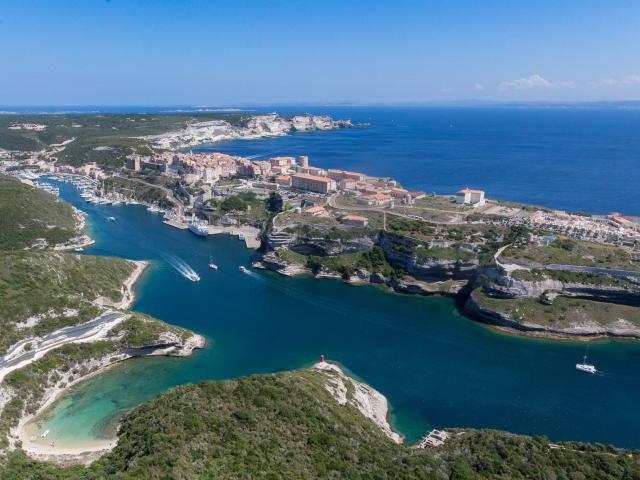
[{"x": 182, "y": 267}]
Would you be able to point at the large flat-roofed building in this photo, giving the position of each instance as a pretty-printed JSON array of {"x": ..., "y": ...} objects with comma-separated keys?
[
  {"x": 319, "y": 172},
  {"x": 470, "y": 197},
  {"x": 312, "y": 183},
  {"x": 374, "y": 199},
  {"x": 344, "y": 174},
  {"x": 355, "y": 220}
]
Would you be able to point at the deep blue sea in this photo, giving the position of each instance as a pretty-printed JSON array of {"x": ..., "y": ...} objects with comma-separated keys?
[
  {"x": 436, "y": 367},
  {"x": 578, "y": 159}
]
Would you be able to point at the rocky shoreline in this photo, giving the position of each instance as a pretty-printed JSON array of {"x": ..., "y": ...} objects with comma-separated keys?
[{"x": 443, "y": 281}]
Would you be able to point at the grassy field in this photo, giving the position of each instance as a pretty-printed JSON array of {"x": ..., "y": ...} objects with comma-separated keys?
[
  {"x": 287, "y": 425},
  {"x": 562, "y": 313},
  {"x": 573, "y": 252},
  {"x": 537, "y": 275},
  {"x": 93, "y": 132},
  {"x": 28, "y": 214},
  {"x": 58, "y": 287}
]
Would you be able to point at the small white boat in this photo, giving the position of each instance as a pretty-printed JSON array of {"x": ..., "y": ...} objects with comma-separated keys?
[
  {"x": 585, "y": 367},
  {"x": 241, "y": 236},
  {"x": 46, "y": 432},
  {"x": 193, "y": 276},
  {"x": 78, "y": 249},
  {"x": 112, "y": 219},
  {"x": 243, "y": 269},
  {"x": 213, "y": 266}
]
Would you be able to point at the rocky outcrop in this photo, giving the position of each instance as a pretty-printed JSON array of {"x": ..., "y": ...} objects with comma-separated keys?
[
  {"x": 325, "y": 246},
  {"x": 369, "y": 402},
  {"x": 417, "y": 287},
  {"x": 399, "y": 253},
  {"x": 256, "y": 126},
  {"x": 500, "y": 284},
  {"x": 616, "y": 328},
  {"x": 270, "y": 261}
]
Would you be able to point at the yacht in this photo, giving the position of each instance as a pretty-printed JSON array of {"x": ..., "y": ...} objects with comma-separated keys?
[
  {"x": 243, "y": 269},
  {"x": 241, "y": 236},
  {"x": 585, "y": 367},
  {"x": 199, "y": 227}
]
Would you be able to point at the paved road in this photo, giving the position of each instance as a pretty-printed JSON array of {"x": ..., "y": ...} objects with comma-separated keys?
[{"x": 56, "y": 339}]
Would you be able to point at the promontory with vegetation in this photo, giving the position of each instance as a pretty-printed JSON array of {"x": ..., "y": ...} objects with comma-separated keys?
[{"x": 64, "y": 315}]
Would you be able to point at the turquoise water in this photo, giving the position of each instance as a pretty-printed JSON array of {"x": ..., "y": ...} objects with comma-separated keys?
[{"x": 436, "y": 367}]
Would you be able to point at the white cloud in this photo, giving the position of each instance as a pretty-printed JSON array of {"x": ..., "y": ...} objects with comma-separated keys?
[
  {"x": 477, "y": 87},
  {"x": 626, "y": 80},
  {"x": 532, "y": 81}
]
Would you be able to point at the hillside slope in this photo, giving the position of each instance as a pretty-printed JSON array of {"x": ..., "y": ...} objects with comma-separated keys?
[
  {"x": 288, "y": 425},
  {"x": 29, "y": 216}
]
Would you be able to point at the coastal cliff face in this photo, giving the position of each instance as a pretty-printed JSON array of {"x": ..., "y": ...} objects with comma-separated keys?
[
  {"x": 543, "y": 302},
  {"x": 519, "y": 320},
  {"x": 256, "y": 126},
  {"x": 401, "y": 253}
]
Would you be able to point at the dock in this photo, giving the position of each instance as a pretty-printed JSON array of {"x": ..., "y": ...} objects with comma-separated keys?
[
  {"x": 251, "y": 234},
  {"x": 176, "y": 223}
]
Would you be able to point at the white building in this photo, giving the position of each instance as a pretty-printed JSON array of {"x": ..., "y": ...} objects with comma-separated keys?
[{"x": 470, "y": 197}]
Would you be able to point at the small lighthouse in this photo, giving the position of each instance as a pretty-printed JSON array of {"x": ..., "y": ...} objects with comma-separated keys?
[{"x": 321, "y": 358}]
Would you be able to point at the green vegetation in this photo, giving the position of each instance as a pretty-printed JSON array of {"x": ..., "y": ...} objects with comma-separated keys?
[
  {"x": 574, "y": 252},
  {"x": 561, "y": 313},
  {"x": 291, "y": 257},
  {"x": 537, "y": 275},
  {"x": 27, "y": 385},
  {"x": 141, "y": 330},
  {"x": 245, "y": 207},
  {"x": 28, "y": 215},
  {"x": 58, "y": 287},
  {"x": 287, "y": 425},
  {"x": 444, "y": 253},
  {"x": 103, "y": 138},
  {"x": 141, "y": 191},
  {"x": 346, "y": 264},
  {"x": 409, "y": 227}
]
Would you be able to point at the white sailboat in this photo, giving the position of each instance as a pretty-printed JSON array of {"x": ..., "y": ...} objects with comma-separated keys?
[
  {"x": 212, "y": 265},
  {"x": 585, "y": 367}
]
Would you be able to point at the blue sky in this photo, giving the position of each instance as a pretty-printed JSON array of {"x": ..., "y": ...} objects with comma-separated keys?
[{"x": 97, "y": 52}]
